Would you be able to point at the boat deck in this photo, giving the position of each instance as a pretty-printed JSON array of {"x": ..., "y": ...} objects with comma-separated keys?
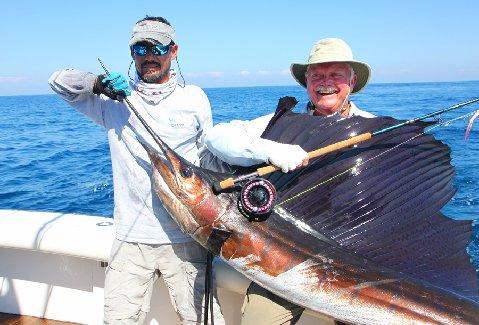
[{"x": 10, "y": 319}]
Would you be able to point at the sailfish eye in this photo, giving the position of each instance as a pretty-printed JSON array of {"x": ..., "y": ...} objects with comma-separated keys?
[{"x": 186, "y": 171}]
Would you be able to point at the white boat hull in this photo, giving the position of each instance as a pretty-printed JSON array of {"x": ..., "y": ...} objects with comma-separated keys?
[{"x": 52, "y": 266}]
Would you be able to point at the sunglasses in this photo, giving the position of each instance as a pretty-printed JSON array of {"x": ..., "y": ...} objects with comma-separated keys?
[{"x": 142, "y": 49}]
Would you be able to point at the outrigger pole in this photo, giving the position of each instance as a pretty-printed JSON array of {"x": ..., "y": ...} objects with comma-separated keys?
[{"x": 230, "y": 182}]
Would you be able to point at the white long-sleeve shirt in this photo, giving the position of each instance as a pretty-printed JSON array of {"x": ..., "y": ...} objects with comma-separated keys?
[
  {"x": 239, "y": 143},
  {"x": 180, "y": 120}
]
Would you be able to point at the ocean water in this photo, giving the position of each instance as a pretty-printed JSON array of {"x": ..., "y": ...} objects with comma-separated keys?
[{"x": 54, "y": 159}]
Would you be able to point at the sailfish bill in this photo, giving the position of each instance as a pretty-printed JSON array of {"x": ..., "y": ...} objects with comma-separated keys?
[{"x": 357, "y": 235}]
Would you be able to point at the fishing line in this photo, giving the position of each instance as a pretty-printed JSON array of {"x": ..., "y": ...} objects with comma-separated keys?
[{"x": 360, "y": 163}]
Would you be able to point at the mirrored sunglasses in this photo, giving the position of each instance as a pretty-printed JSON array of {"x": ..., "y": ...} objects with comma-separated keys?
[{"x": 143, "y": 49}]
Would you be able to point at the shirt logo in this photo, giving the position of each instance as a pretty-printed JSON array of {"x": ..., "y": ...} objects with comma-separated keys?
[{"x": 177, "y": 122}]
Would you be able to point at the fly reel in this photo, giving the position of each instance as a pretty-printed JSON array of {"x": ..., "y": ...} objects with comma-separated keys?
[{"x": 257, "y": 199}]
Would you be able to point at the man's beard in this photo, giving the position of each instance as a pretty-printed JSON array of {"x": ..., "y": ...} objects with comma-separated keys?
[{"x": 154, "y": 77}]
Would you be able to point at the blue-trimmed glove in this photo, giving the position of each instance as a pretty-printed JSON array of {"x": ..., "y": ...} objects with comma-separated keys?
[{"x": 113, "y": 85}]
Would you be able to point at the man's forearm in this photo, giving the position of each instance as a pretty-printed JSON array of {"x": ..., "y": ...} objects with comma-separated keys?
[{"x": 72, "y": 83}]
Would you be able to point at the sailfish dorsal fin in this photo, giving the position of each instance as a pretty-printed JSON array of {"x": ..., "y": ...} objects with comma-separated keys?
[{"x": 381, "y": 199}]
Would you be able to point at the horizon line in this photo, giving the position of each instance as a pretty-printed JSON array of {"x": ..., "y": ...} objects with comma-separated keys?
[{"x": 288, "y": 85}]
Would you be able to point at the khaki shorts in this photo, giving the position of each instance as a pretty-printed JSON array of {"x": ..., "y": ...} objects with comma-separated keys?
[{"x": 134, "y": 268}]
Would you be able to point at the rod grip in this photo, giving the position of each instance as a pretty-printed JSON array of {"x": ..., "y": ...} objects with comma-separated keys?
[
  {"x": 266, "y": 170},
  {"x": 230, "y": 182},
  {"x": 322, "y": 151},
  {"x": 340, "y": 145},
  {"x": 226, "y": 183}
]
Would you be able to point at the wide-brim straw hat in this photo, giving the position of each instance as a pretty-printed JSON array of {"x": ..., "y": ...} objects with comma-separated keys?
[{"x": 330, "y": 50}]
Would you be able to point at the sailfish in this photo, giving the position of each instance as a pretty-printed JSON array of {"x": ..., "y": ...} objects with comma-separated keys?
[{"x": 358, "y": 234}]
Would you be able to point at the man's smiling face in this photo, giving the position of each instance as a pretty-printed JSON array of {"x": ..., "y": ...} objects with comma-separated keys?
[{"x": 329, "y": 85}]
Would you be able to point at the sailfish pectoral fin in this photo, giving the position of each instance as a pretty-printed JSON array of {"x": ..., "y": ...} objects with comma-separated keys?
[{"x": 217, "y": 238}]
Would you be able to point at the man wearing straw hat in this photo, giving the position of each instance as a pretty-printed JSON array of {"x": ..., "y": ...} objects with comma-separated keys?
[{"x": 330, "y": 76}]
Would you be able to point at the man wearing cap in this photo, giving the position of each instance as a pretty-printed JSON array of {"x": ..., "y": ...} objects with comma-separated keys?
[
  {"x": 329, "y": 77},
  {"x": 148, "y": 242}
]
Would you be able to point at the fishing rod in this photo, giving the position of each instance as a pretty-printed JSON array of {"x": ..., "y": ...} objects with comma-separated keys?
[
  {"x": 262, "y": 171},
  {"x": 143, "y": 122}
]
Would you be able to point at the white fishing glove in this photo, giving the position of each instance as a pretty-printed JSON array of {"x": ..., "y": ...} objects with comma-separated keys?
[{"x": 287, "y": 157}]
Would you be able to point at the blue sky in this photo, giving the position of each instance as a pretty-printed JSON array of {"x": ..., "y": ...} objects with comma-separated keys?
[{"x": 241, "y": 43}]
